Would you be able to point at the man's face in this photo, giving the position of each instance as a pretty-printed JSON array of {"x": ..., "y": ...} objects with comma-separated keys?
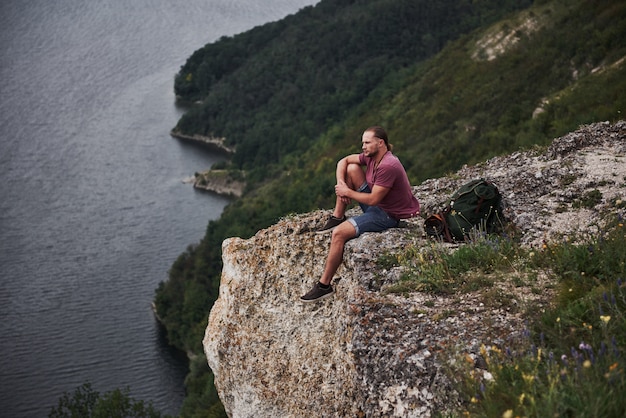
[{"x": 371, "y": 145}]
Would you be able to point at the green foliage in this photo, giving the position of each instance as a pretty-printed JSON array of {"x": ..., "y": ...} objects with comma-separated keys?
[
  {"x": 483, "y": 108},
  {"x": 88, "y": 403},
  {"x": 571, "y": 361},
  {"x": 268, "y": 104},
  {"x": 202, "y": 400},
  {"x": 582, "y": 268}
]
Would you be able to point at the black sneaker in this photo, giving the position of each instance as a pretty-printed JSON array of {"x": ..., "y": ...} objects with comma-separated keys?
[
  {"x": 331, "y": 224},
  {"x": 317, "y": 293}
]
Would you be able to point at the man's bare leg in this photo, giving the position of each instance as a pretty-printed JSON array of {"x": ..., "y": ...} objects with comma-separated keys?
[
  {"x": 340, "y": 236},
  {"x": 345, "y": 231},
  {"x": 355, "y": 177}
]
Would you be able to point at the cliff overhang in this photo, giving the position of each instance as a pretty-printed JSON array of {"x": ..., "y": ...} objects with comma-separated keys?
[{"x": 367, "y": 352}]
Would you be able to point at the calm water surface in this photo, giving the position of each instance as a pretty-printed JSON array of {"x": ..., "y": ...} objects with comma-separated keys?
[{"x": 93, "y": 210}]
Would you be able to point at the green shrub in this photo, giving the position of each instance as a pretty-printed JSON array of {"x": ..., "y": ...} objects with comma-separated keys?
[{"x": 88, "y": 403}]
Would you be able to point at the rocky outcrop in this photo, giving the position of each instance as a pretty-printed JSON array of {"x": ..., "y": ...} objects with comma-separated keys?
[
  {"x": 224, "y": 182},
  {"x": 366, "y": 352}
]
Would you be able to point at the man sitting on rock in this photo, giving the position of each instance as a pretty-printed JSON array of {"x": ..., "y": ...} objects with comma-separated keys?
[{"x": 383, "y": 192}]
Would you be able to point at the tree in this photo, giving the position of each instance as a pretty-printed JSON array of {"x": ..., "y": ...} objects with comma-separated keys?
[{"x": 85, "y": 402}]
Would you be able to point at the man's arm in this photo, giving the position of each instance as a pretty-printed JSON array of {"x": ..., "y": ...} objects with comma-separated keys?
[
  {"x": 370, "y": 199},
  {"x": 345, "y": 192}
]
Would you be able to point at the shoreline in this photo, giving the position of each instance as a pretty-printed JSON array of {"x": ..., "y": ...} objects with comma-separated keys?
[
  {"x": 208, "y": 141},
  {"x": 222, "y": 182}
]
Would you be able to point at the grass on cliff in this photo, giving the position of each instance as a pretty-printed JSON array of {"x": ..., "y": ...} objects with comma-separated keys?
[
  {"x": 469, "y": 267},
  {"x": 571, "y": 360}
]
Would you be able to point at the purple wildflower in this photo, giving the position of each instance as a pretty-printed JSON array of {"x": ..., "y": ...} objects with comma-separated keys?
[{"x": 603, "y": 349}]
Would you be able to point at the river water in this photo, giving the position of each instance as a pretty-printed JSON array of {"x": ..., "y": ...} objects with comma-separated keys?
[{"x": 93, "y": 210}]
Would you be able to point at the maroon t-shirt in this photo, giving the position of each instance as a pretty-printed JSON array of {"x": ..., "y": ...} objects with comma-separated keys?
[{"x": 399, "y": 201}]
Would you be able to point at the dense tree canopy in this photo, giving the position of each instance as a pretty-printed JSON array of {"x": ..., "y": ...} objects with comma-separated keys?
[{"x": 273, "y": 90}]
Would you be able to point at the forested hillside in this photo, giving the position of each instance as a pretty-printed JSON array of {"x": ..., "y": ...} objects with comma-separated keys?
[
  {"x": 273, "y": 90},
  {"x": 454, "y": 82}
]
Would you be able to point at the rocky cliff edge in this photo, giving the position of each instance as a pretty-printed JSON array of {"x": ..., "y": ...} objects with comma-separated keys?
[{"x": 365, "y": 352}]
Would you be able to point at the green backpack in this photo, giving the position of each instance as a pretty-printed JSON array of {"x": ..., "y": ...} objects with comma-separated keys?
[{"x": 475, "y": 206}]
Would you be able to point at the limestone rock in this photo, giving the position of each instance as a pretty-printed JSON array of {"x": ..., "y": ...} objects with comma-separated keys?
[{"x": 365, "y": 353}]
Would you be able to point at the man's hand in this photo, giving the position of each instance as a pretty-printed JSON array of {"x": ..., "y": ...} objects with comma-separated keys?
[{"x": 342, "y": 190}]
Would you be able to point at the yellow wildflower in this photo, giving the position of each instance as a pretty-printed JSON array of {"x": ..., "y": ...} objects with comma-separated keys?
[
  {"x": 587, "y": 364},
  {"x": 605, "y": 318},
  {"x": 483, "y": 350},
  {"x": 508, "y": 413}
]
